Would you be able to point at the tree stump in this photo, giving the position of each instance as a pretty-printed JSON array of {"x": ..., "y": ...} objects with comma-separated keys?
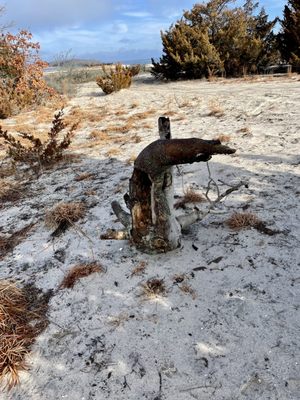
[{"x": 152, "y": 225}]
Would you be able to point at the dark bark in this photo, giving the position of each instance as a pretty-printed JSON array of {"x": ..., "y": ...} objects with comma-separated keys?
[
  {"x": 152, "y": 224},
  {"x": 158, "y": 156}
]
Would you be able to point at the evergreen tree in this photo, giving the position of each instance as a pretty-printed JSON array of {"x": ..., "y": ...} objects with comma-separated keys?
[
  {"x": 289, "y": 37},
  {"x": 213, "y": 38},
  {"x": 188, "y": 53}
]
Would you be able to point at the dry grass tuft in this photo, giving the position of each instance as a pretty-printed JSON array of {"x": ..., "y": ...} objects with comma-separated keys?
[
  {"x": 187, "y": 289},
  {"x": 22, "y": 318},
  {"x": 79, "y": 271},
  {"x": 189, "y": 196},
  {"x": 64, "y": 214},
  {"x": 153, "y": 288},
  {"x": 139, "y": 269},
  {"x": 215, "y": 109},
  {"x": 243, "y": 220}
]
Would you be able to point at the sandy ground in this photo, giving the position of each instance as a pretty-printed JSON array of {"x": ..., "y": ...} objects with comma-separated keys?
[{"x": 229, "y": 326}]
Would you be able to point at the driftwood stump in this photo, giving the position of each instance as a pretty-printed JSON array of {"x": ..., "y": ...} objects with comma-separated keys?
[{"x": 152, "y": 225}]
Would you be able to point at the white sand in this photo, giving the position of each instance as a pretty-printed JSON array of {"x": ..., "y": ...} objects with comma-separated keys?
[{"x": 237, "y": 336}]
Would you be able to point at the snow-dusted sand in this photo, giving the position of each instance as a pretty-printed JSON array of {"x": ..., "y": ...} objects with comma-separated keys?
[{"x": 231, "y": 329}]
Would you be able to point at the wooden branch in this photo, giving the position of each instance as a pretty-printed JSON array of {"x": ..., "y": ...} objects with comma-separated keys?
[
  {"x": 160, "y": 155},
  {"x": 122, "y": 215},
  {"x": 196, "y": 215}
]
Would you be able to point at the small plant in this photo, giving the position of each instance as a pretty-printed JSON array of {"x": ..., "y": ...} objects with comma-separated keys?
[
  {"x": 78, "y": 272},
  {"x": 64, "y": 215},
  {"x": 153, "y": 288},
  {"x": 115, "y": 79},
  {"x": 40, "y": 154}
]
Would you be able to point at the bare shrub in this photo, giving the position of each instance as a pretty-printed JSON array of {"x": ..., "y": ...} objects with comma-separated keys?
[
  {"x": 21, "y": 73},
  {"x": 79, "y": 271},
  {"x": 18, "y": 309},
  {"x": 39, "y": 153},
  {"x": 115, "y": 79},
  {"x": 64, "y": 214}
]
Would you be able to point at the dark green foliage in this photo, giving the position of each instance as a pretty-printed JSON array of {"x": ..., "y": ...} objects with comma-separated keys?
[
  {"x": 289, "y": 37},
  {"x": 40, "y": 154},
  {"x": 188, "y": 53},
  {"x": 213, "y": 39}
]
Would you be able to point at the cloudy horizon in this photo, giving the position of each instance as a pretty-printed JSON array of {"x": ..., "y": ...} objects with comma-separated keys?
[{"x": 101, "y": 30}]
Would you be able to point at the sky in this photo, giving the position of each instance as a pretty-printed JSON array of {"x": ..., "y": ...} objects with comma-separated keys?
[{"x": 114, "y": 30}]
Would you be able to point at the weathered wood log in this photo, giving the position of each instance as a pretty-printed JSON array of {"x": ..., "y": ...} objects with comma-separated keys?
[
  {"x": 158, "y": 156},
  {"x": 152, "y": 224}
]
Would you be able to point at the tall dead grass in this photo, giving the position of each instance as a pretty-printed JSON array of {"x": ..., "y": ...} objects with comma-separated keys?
[
  {"x": 80, "y": 271},
  {"x": 22, "y": 318}
]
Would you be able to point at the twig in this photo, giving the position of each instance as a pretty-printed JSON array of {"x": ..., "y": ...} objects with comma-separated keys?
[
  {"x": 158, "y": 397},
  {"x": 227, "y": 192},
  {"x": 199, "y": 387},
  {"x": 211, "y": 180}
]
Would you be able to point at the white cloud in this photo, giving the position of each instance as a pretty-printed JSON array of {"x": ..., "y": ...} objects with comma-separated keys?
[
  {"x": 90, "y": 26},
  {"x": 137, "y": 14}
]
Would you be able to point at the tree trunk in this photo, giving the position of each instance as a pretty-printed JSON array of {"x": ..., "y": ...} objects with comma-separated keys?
[{"x": 152, "y": 224}]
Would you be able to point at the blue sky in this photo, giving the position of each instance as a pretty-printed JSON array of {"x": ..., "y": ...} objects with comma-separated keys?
[{"x": 112, "y": 30}]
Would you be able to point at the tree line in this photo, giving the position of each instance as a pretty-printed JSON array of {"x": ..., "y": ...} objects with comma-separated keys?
[{"x": 214, "y": 39}]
